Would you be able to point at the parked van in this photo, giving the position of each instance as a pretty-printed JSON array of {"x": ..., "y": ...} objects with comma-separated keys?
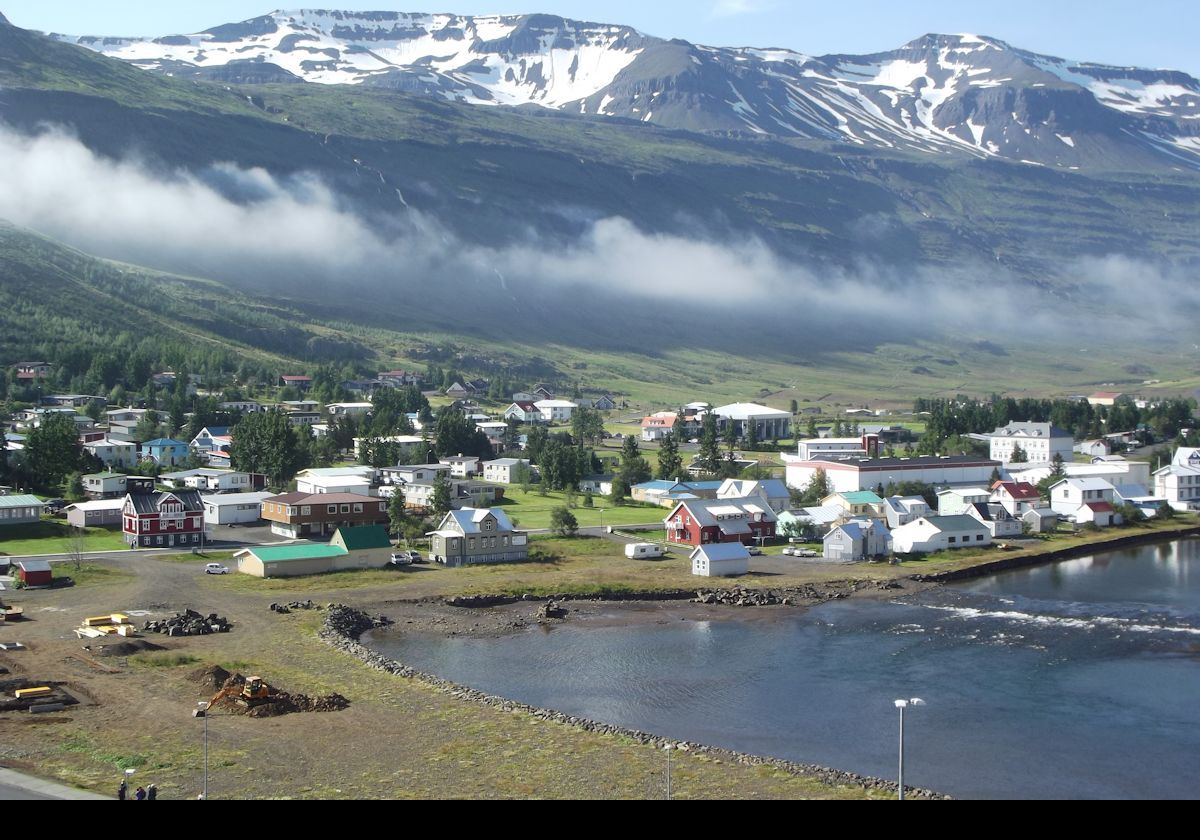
[{"x": 643, "y": 551}]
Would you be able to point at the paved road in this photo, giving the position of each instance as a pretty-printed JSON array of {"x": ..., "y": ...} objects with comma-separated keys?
[{"x": 18, "y": 786}]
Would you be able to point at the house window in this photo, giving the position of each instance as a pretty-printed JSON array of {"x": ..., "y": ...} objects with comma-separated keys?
[
  {"x": 331, "y": 508},
  {"x": 979, "y": 538},
  {"x": 954, "y": 539},
  {"x": 471, "y": 544},
  {"x": 305, "y": 510},
  {"x": 358, "y": 507},
  {"x": 345, "y": 508},
  {"x": 383, "y": 507}
]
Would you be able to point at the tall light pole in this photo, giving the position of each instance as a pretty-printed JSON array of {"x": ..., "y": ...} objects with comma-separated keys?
[
  {"x": 902, "y": 705},
  {"x": 667, "y": 749},
  {"x": 202, "y": 709}
]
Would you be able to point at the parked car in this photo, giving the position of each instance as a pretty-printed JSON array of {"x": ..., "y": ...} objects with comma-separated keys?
[
  {"x": 754, "y": 550},
  {"x": 401, "y": 558},
  {"x": 215, "y": 569},
  {"x": 55, "y": 505}
]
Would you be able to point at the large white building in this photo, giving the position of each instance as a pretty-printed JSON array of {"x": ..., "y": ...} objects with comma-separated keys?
[
  {"x": 841, "y": 447},
  {"x": 1179, "y": 481},
  {"x": 769, "y": 423},
  {"x": 556, "y": 411},
  {"x": 850, "y": 474},
  {"x": 1115, "y": 471},
  {"x": 1039, "y": 441},
  {"x": 938, "y": 533},
  {"x": 1085, "y": 500}
]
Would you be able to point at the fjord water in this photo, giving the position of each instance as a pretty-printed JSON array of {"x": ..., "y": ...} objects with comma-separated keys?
[{"x": 1077, "y": 679}]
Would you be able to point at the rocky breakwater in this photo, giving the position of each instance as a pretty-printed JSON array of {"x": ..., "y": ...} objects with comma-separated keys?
[
  {"x": 789, "y": 596},
  {"x": 344, "y": 625}
]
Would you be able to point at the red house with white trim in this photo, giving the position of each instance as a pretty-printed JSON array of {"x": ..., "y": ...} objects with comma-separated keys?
[
  {"x": 159, "y": 520},
  {"x": 703, "y": 521}
]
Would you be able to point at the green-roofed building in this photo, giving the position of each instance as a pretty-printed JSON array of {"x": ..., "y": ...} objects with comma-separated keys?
[
  {"x": 20, "y": 510},
  {"x": 857, "y": 502},
  {"x": 366, "y": 547}
]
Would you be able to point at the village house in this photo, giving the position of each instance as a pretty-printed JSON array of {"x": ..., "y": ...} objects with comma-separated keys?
[
  {"x": 1000, "y": 523},
  {"x": 555, "y": 411},
  {"x": 364, "y": 547},
  {"x": 210, "y": 480},
  {"x": 301, "y": 514},
  {"x": 98, "y": 513},
  {"x": 477, "y": 535},
  {"x": 20, "y": 510},
  {"x": 244, "y": 406},
  {"x": 720, "y": 560},
  {"x": 656, "y": 426},
  {"x": 112, "y": 452},
  {"x": 410, "y": 473},
  {"x": 463, "y": 466},
  {"x": 954, "y": 501},
  {"x": 161, "y": 520},
  {"x": 234, "y": 508},
  {"x": 1040, "y": 442},
  {"x": 810, "y": 448},
  {"x": 771, "y": 490},
  {"x": 504, "y": 470},
  {"x": 210, "y": 438},
  {"x": 32, "y": 371},
  {"x": 463, "y": 494},
  {"x": 938, "y": 533},
  {"x": 349, "y": 409},
  {"x": 1179, "y": 481},
  {"x": 858, "y": 539},
  {"x": 166, "y": 452},
  {"x": 523, "y": 411},
  {"x": 858, "y": 503},
  {"x": 111, "y": 485},
  {"x": 701, "y": 521},
  {"x": 300, "y": 382},
  {"x": 598, "y": 485},
  {"x": 1084, "y": 501},
  {"x": 1016, "y": 497},
  {"x": 813, "y": 522},
  {"x": 900, "y": 510}
]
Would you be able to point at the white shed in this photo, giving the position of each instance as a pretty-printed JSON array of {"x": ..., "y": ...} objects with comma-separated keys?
[
  {"x": 233, "y": 508},
  {"x": 720, "y": 560}
]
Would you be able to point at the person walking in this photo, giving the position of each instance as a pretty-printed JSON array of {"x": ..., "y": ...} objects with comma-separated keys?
[
  {"x": 152, "y": 792},
  {"x": 122, "y": 791}
]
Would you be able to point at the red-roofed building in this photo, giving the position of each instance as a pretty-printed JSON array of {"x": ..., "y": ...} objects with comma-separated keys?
[
  {"x": 524, "y": 411},
  {"x": 1017, "y": 497},
  {"x": 702, "y": 521},
  {"x": 656, "y": 426},
  {"x": 302, "y": 383}
]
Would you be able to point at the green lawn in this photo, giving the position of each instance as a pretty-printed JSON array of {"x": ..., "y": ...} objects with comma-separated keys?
[
  {"x": 532, "y": 510},
  {"x": 51, "y": 536},
  {"x": 90, "y": 574}
]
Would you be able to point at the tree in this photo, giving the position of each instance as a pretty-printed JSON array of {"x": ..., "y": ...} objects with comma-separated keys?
[
  {"x": 441, "y": 495},
  {"x": 1018, "y": 455},
  {"x": 563, "y": 522},
  {"x": 1057, "y": 468},
  {"x": 456, "y": 435},
  {"x": 817, "y": 489},
  {"x": 266, "y": 442},
  {"x": 147, "y": 427},
  {"x": 75, "y": 491},
  {"x": 587, "y": 425},
  {"x": 995, "y": 476},
  {"x": 670, "y": 464},
  {"x": 52, "y": 450},
  {"x": 709, "y": 458},
  {"x": 398, "y": 512},
  {"x": 634, "y": 469}
]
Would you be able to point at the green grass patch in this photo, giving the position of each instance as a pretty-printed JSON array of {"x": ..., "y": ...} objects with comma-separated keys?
[
  {"x": 532, "y": 510},
  {"x": 86, "y": 746},
  {"x": 203, "y": 557},
  {"x": 56, "y": 537},
  {"x": 90, "y": 574}
]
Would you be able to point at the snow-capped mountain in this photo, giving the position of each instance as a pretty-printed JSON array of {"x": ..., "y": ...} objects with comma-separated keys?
[{"x": 939, "y": 93}]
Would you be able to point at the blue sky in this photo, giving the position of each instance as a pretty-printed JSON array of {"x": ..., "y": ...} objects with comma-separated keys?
[{"x": 1153, "y": 33}]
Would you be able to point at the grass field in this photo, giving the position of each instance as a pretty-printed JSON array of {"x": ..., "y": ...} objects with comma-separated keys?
[
  {"x": 56, "y": 537},
  {"x": 532, "y": 510}
]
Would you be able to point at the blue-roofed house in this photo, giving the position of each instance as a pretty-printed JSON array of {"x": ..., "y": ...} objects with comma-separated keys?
[
  {"x": 772, "y": 490},
  {"x": 858, "y": 539},
  {"x": 165, "y": 451}
]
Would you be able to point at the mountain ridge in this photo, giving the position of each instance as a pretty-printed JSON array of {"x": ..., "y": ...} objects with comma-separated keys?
[{"x": 937, "y": 94}]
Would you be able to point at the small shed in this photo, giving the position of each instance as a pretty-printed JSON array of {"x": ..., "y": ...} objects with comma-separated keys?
[
  {"x": 35, "y": 572},
  {"x": 720, "y": 560},
  {"x": 292, "y": 560}
]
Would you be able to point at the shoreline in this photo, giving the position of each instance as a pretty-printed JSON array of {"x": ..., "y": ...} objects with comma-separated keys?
[{"x": 343, "y": 626}]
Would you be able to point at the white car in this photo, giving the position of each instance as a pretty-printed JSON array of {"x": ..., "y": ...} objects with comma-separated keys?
[{"x": 216, "y": 569}]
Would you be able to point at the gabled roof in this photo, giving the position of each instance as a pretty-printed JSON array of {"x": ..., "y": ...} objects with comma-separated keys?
[
  {"x": 215, "y": 431},
  {"x": 20, "y": 501},
  {"x": 468, "y": 520},
  {"x": 1100, "y": 507},
  {"x": 859, "y": 497},
  {"x": 1085, "y": 483},
  {"x": 364, "y": 537},
  {"x": 1019, "y": 490},
  {"x": 745, "y": 411},
  {"x": 161, "y": 442},
  {"x": 716, "y": 552},
  {"x": 150, "y": 502}
]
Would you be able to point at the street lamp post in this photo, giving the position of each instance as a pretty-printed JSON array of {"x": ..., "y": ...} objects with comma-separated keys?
[
  {"x": 202, "y": 708},
  {"x": 902, "y": 705}
]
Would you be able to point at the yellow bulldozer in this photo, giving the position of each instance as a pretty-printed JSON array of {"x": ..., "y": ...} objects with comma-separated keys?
[{"x": 253, "y": 692}]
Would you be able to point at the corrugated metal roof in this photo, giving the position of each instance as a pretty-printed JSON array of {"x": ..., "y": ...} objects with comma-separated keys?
[
  {"x": 365, "y": 537},
  {"x": 20, "y": 501},
  {"x": 298, "y": 551}
]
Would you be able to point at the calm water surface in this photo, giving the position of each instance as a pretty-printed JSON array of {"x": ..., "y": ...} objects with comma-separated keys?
[{"x": 1080, "y": 679}]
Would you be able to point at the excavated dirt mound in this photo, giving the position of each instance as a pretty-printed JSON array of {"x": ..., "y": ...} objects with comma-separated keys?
[
  {"x": 123, "y": 648},
  {"x": 210, "y": 677}
]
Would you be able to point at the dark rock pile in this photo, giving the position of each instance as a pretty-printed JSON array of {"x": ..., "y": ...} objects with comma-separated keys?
[
  {"x": 350, "y": 622},
  {"x": 189, "y": 623},
  {"x": 284, "y": 609},
  {"x": 552, "y": 609}
]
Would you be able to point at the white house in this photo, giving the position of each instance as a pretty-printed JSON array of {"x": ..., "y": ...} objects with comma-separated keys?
[
  {"x": 858, "y": 539},
  {"x": 1039, "y": 441},
  {"x": 1000, "y": 523},
  {"x": 462, "y": 466},
  {"x": 233, "y": 508},
  {"x": 1179, "y": 481},
  {"x": 556, "y": 411},
  {"x": 773, "y": 491},
  {"x": 953, "y": 501},
  {"x": 358, "y": 484},
  {"x": 210, "y": 438},
  {"x": 113, "y": 453},
  {"x": 900, "y": 510},
  {"x": 210, "y": 480},
  {"x": 502, "y": 470},
  {"x": 523, "y": 411},
  {"x": 937, "y": 533},
  {"x": 409, "y": 473},
  {"x": 349, "y": 409},
  {"x": 720, "y": 560},
  {"x": 1114, "y": 470},
  {"x": 107, "y": 485},
  {"x": 1085, "y": 500},
  {"x": 809, "y": 448},
  {"x": 1017, "y": 497}
]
